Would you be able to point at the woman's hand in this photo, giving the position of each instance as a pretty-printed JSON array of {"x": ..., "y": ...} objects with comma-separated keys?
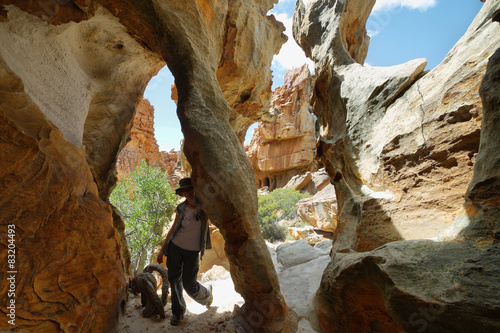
[{"x": 159, "y": 259}]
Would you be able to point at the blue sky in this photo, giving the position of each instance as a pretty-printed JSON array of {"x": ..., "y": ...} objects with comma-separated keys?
[{"x": 400, "y": 30}]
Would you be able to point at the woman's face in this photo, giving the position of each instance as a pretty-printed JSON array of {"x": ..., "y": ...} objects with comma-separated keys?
[{"x": 188, "y": 193}]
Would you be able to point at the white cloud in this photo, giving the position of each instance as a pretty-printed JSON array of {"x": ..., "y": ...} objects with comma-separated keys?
[
  {"x": 372, "y": 32},
  {"x": 387, "y": 5},
  {"x": 290, "y": 55}
]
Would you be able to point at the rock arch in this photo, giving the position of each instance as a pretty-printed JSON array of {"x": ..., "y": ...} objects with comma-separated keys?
[{"x": 69, "y": 94}]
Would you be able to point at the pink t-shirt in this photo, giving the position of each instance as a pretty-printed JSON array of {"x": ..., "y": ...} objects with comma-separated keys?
[{"x": 189, "y": 235}]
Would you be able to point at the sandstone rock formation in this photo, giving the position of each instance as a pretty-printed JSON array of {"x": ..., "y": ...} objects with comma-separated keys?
[
  {"x": 286, "y": 147},
  {"x": 63, "y": 117},
  {"x": 376, "y": 147},
  {"x": 221, "y": 171},
  {"x": 400, "y": 150},
  {"x": 310, "y": 182},
  {"x": 302, "y": 276},
  {"x": 306, "y": 233},
  {"x": 250, "y": 40},
  {"x": 216, "y": 256},
  {"x": 143, "y": 145},
  {"x": 74, "y": 72},
  {"x": 320, "y": 210}
]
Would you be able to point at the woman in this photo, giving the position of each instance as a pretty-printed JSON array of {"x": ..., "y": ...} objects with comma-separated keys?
[{"x": 185, "y": 242}]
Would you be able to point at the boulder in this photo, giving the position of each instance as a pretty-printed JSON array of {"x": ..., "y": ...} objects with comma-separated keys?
[
  {"x": 298, "y": 182},
  {"x": 320, "y": 210},
  {"x": 301, "y": 277},
  {"x": 306, "y": 233},
  {"x": 309, "y": 182},
  {"x": 295, "y": 253},
  {"x": 299, "y": 284},
  {"x": 413, "y": 286}
]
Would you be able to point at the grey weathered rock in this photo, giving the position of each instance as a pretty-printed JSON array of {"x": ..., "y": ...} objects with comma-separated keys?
[
  {"x": 295, "y": 253},
  {"x": 401, "y": 157},
  {"x": 324, "y": 247},
  {"x": 272, "y": 251},
  {"x": 399, "y": 130},
  {"x": 412, "y": 286},
  {"x": 484, "y": 187},
  {"x": 299, "y": 284}
]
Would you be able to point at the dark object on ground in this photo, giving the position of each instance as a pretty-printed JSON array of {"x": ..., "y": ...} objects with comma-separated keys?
[
  {"x": 164, "y": 279},
  {"x": 145, "y": 283}
]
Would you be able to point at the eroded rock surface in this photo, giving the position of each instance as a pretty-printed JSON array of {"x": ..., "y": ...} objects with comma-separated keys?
[
  {"x": 395, "y": 129},
  {"x": 300, "y": 277},
  {"x": 74, "y": 74},
  {"x": 68, "y": 94},
  {"x": 320, "y": 210},
  {"x": 310, "y": 182},
  {"x": 400, "y": 149},
  {"x": 244, "y": 72},
  {"x": 286, "y": 147},
  {"x": 70, "y": 274},
  {"x": 143, "y": 146}
]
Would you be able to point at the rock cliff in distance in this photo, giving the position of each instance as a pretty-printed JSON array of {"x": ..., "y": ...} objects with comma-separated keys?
[
  {"x": 286, "y": 147},
  {"x": 143, "y": 145}
]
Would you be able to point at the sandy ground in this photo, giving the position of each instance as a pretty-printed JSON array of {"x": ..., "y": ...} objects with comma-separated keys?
[{"x": 198, "y": 318}]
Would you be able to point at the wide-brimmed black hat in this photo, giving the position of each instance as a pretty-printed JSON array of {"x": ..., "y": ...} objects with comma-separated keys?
[{"x": 183, "y": 183}]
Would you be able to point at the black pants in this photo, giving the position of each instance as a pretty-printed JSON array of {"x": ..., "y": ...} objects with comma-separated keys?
[{"x": 183, "y": 268}]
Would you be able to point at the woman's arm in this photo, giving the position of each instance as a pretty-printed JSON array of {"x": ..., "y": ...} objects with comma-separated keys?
[{"x": 159, "y": 259}]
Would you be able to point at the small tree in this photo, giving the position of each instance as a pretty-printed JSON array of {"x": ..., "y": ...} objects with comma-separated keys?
[
  {"x": 280, "y": 204},
  {"x": 147, "y": 203}
]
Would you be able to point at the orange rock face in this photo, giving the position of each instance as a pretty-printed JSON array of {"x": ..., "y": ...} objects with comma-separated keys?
[
  {"x": 143, "y": 145},
  {"x": 80, "y": 68},
  {"x": 68, "y": 269},
  {"x": 280, "y": 150}
]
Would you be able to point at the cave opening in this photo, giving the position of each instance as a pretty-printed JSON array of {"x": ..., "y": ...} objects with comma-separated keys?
[{"x": 71, "y": 75}]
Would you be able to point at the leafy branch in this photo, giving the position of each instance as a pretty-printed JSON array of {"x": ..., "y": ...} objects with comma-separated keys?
[{"x": 147, "y": 203}]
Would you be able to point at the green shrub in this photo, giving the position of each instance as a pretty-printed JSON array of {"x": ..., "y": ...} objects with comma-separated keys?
[
  {"x": 147, "y": 203},
  {"x": 278, "y": 205}
]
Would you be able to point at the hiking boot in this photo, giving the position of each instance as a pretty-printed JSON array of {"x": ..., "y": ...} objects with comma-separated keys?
[
  {"x": 211, "y": 297},
  {"x": 176, "y": 320}
]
